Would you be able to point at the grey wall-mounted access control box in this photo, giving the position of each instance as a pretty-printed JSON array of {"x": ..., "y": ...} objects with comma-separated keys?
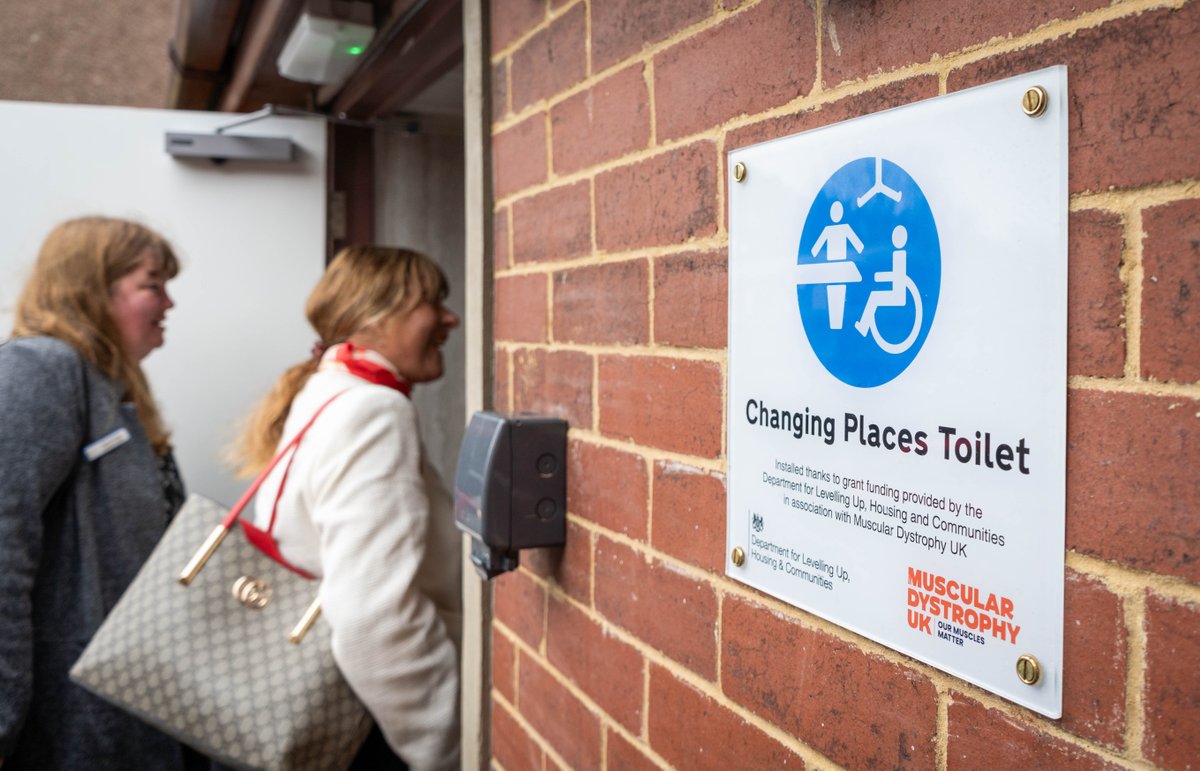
[{"x": 510, "y": 490}]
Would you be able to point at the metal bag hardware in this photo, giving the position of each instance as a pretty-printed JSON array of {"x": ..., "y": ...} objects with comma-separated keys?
[
  {"x": 254, "y": 593},
  {"x": 245, "y": 589}
]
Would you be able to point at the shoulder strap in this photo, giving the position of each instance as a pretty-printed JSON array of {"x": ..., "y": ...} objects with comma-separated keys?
[
  {"x": 290, "y": 447},
  {"x": 263, "y": 541}
]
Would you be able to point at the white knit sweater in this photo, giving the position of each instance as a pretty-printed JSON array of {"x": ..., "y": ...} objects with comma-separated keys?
[{"x": 362, "y": 511}]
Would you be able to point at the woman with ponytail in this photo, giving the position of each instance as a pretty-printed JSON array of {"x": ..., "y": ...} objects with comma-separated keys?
[
  {"x": 360, "y": 509},
  {"x": 87, "y": 487}
]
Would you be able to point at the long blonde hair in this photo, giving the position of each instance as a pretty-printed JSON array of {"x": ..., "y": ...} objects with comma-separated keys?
[
  {"x": 67, "y": 297},
  {"x": 361, "y": 286}
]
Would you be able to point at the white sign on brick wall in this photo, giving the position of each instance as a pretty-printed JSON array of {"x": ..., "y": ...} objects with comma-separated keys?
[{"x": 897, "y": 379}]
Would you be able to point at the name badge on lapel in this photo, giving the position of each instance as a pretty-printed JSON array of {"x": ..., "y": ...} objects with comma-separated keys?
[{"x": 106, "y": 444}]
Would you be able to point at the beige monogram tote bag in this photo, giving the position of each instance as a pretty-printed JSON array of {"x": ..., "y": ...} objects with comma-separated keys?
[
  {"x": 232, "y": 659},
  {"x": 211, "y": 664}
]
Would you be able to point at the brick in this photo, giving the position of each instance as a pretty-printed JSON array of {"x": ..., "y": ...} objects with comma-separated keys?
[
  {"x": 859, "y": 710},
  {"x": 623, "y": 28},
  {"x": 519, "y": 156},
  {"x": 1095, "y": 301},
  {"x": 555, "y": 383},
  {"x": 672, "y": 612},
  {"x": 519, "y": 603},
  {"x": 554, "y": 59},
  {"x": 1132, "y": 487},
  {"x": 554, "y": 225},
  {"x": 1094, "y": 648},
  {"x": 749, "y": 63},
  {"x": 510, "y": 19},
  {"x": 853, "y": 106},
  {"x": 563, "y": 721},
  {"x": 521, "y": 308},
  {"x": 501, "y": 254},
  {"x": 499, "y": 86},
  {"x": 604, "y": 122},
  {"x": 570, "y": 566},
  {"x": 861, "y": 39},
  {"x": 1172, "y": 695},
  {"x": 672, "y": 404},
  {"x": 1135, "y": 85},
  {"x": 608, "y": 487},
  {"x": 1171, "y": 292},
  {"x": 603, "y": 304},
  {"x": 667, "y": 199},
  {"x": 691, "y": 294},
  {"x": 625, "y": 756},
  {"x": 504, "y": 666},
  {"x": 980, "y": 738},
  {"x": 724, "y": 740},
  {"x": 512, "y": 747},
  {"x": 609, "y": 671},
  {"x": 689, "y": 515},
  {"x": 500, "y": 388}
]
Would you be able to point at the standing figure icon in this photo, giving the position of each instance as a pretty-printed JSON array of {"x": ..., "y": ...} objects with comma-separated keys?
[{"x": 834, "y": 239}]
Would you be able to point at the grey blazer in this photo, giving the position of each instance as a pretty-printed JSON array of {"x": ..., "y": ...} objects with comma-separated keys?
[{"x": 73, "y": 533}]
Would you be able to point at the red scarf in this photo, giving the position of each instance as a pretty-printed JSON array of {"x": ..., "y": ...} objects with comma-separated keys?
[{"x": 352, "y": 357}]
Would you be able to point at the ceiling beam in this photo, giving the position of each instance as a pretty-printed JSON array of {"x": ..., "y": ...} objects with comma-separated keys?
[
  {"x": 204, "y": 31},
  {"x": 412, "y": 51},
  {"x": 270, "y": 23}
]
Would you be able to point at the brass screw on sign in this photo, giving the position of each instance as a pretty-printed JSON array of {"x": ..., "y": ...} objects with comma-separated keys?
[
  {"x": 1034, "y": 101},
  {"x": 739, "y": 172},
  {"x": 1029, "y": 670},
  {"x": 739, "y": 556}
]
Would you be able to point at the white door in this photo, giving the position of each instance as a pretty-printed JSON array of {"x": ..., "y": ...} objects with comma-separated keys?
[{"x": 250, "y": 236}]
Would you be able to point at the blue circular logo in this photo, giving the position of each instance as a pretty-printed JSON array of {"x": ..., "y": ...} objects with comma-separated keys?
[{"x": 869, "y": 271}]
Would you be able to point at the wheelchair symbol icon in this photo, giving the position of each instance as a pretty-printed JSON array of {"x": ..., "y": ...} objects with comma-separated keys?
[{"x": 902, "y": 284}]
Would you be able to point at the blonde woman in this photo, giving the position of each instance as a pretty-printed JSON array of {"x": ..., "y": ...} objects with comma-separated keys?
[
  {"x": 360, "y": 509},
  {"x": 87, "y": 486}
]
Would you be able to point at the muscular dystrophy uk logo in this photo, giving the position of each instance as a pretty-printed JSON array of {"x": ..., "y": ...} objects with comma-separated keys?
[{"x": 869, "y": 272}]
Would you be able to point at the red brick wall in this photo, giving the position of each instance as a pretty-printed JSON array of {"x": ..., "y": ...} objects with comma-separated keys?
[{"x": 629, "y": 648}]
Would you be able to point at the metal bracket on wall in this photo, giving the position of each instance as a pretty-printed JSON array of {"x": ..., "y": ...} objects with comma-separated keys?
[
  {"x": 225, "y": 147},
  {"x": 220, "y": 147}
]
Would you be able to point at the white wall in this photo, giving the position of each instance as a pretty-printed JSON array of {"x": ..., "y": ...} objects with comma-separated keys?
[{"x": 250, "y": 236}]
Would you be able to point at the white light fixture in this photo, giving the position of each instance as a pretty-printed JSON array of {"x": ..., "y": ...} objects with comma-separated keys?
[{"x": 327, "y": 41}]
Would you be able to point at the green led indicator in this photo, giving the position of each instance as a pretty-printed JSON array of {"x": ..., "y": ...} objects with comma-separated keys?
[{"x": 354, "y": 50}]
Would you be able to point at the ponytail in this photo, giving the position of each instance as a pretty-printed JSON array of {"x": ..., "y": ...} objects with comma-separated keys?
[{"x": 263, "y": 428}]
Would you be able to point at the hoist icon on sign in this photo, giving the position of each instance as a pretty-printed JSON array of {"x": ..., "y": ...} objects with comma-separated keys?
[{"x": 854, "y": 264}]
